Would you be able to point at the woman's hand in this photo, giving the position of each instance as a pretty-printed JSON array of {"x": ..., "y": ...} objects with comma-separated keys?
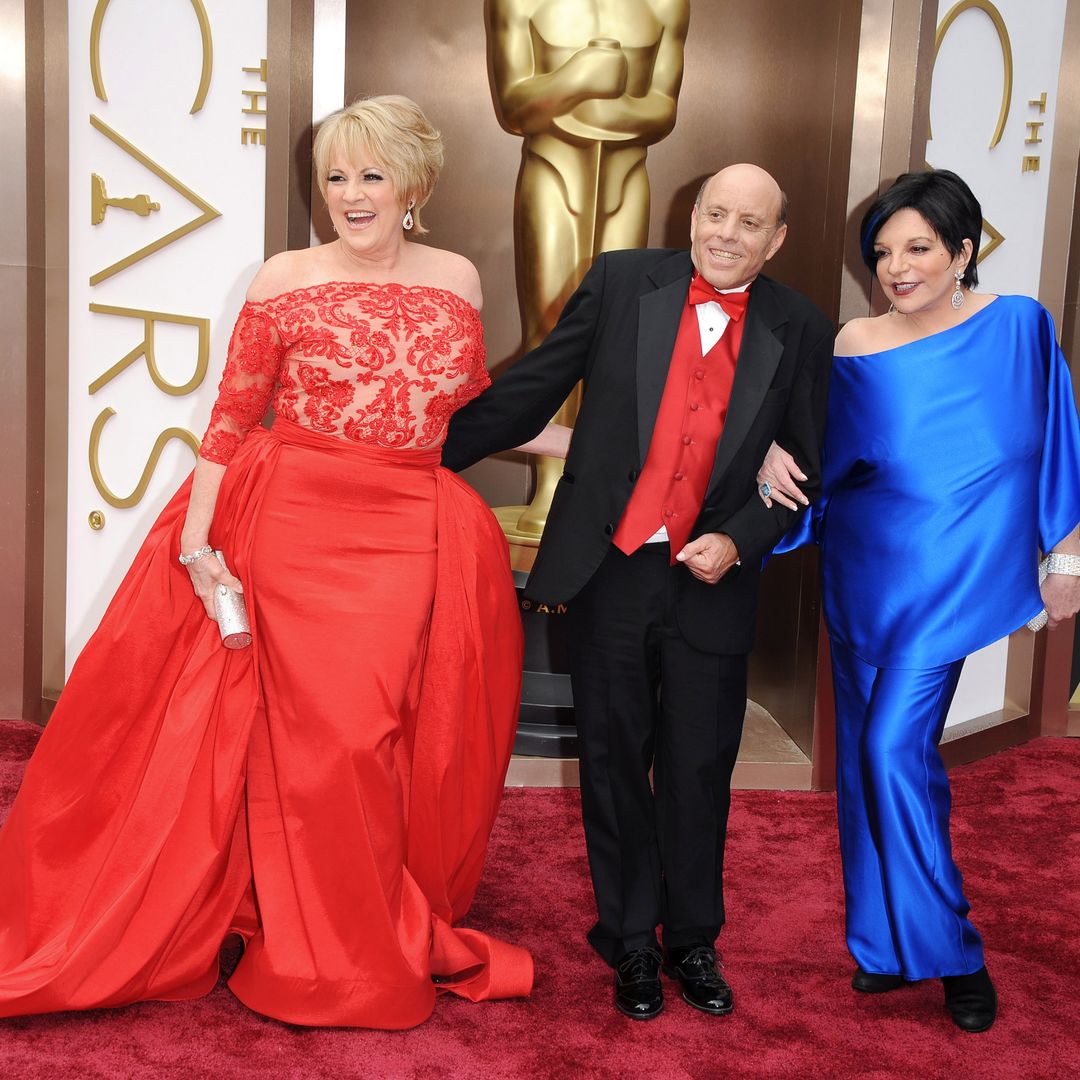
[
  {"x": 553, "y": 441},
  {"x": 206, "y": 575},
  {"x": 1061, "y": 592},
  {"x": 1061, "y": 595},
  {"x": 780, "y": 472}
]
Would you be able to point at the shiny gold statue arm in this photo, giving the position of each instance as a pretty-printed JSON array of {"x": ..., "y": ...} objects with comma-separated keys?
[
  {"x": 651, "y": 117},
  {"x": 530, "y": 103}
]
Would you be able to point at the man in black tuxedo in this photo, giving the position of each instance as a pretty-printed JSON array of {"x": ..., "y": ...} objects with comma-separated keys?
[{"x": 655, "y": 538}]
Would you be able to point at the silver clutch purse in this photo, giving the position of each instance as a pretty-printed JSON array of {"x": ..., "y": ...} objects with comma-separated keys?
[{"x": 231, "y": 614}]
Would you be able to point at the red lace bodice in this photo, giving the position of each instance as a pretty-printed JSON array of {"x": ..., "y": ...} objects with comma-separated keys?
[{"x": 383, "y": 364}]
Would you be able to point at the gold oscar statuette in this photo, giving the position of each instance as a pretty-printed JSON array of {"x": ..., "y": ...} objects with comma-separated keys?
[{"x": 589, "y": 85}]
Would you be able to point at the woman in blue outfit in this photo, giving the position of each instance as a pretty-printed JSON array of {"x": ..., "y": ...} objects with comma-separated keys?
[{"x": 951, "y": 460}]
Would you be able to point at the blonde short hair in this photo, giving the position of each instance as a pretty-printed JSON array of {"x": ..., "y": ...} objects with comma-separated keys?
[{"x": 395, "y": 130}]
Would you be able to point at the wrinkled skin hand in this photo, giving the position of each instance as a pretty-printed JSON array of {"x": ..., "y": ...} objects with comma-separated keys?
[
  {"x": 709, "y": 557},
  {"x": 206, "y": 574},
  {"x": 781, "y": 472},
  {"x": 1061, "y": 596}
]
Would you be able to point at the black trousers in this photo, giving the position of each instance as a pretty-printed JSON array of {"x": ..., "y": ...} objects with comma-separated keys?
[{"x": 646, "y": 699}]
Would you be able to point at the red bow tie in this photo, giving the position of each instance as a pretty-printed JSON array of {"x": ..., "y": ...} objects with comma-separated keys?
[{"x": 734, "y": 303}]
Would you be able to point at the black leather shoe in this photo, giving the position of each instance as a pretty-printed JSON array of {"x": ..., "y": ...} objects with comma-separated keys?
[
  {"x": 699, "y": 976},
  {"x": 637, "y": 984},
  {"x": 971, "y": 999},
  {"x": 872, "y": 982}
]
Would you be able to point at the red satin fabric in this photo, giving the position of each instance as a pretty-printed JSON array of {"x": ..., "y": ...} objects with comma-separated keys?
[
  {"x": 327, "y": 792},
  {"x": 688, "y": 425}
]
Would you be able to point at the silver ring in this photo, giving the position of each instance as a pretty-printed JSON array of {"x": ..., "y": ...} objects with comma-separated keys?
[{"x": 766, "y": 489}]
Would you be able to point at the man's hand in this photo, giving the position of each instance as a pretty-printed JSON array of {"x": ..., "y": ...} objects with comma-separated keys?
[{"x": 709, "y": 557}]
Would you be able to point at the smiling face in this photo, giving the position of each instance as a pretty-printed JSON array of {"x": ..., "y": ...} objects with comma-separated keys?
[
  {"x": 363, "y": 205},
  {"x": 734, "y": 228},
  {"x": 914, "y": 268}
]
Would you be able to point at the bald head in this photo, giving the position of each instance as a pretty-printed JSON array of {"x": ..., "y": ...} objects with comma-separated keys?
[
  {"x": 746, "y": 173},
  {"x": 737, "y": 225}
]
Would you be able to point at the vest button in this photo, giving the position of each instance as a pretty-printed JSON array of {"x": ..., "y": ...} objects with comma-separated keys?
[
  {"x": 699, "y": 374},
  {"x": 668, "y": 513},
  {"x": 686, "y": 440},
  {"x": 678, "y": 476},
  {"x": 694, "y": 406},
  {"x": 609, "y": 529}
]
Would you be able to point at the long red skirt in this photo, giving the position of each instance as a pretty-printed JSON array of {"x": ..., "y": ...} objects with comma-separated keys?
[{"x": 327, "y": 792}]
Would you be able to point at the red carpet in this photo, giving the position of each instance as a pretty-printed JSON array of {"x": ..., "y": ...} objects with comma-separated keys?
[{"x": 1017, "y": 835}]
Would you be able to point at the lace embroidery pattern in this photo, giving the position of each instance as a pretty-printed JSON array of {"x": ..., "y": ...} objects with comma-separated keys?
[{"x": 381, "y": 364}]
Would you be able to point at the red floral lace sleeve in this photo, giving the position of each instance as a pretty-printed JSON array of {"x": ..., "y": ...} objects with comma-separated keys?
[{"x": 252, "y": 370}]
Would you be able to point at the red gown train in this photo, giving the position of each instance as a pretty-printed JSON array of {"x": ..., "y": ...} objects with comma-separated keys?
[{"x": 327, "y": 792}]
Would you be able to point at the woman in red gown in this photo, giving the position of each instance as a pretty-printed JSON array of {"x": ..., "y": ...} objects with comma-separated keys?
[{"x": 328, "y": 792}]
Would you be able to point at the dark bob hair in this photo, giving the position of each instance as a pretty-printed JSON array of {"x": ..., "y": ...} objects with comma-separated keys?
[{"x": 947, "y": 204}]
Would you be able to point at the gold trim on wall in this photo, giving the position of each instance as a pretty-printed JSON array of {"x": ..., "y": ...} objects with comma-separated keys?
[
  {"x": 145, "y": 348},
  {"x": 1059, "y": 292},
  {"x": 56, "y": 227},
  {"x": 124, "y": 502},
  {"x": 208, "y": 212},
  {"x": 988, "y": 9},
  {"x": 892, "y": 101},
  {"x": 207, "y": 52}
]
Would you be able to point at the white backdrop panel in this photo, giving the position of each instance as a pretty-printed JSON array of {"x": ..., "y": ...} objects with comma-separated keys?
[{"x": 151, "y": 68}]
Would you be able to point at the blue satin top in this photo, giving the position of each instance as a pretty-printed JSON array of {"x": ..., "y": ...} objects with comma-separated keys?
[{"x": 949, "y": 464}]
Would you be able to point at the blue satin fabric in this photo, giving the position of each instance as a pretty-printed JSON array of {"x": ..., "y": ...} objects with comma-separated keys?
[
  {"x": 905, "y": 907},
  {"x": 949, "y": 463}
]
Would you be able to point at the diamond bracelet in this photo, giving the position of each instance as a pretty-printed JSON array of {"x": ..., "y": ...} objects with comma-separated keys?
[
  {"x": 1062, "y": 564},
  {"x": 195, "y": 556}
]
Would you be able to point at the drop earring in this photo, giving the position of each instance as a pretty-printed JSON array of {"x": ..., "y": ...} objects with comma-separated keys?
[
  {"x": 407, "y": 220},
  {"x": 958, "y": 296}
]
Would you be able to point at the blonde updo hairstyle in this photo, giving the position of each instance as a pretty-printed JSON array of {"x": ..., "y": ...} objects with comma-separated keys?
[{"x": 396, "y": 132}]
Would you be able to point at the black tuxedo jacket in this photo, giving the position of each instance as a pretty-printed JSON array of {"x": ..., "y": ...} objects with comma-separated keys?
[{"x": 616, "y": 334}]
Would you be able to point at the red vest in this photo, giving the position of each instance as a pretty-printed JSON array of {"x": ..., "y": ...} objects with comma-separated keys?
[{"x": 671, "y": 487}]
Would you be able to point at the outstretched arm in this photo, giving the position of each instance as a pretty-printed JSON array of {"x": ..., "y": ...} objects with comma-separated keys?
[{"x": 516, "y": 408}]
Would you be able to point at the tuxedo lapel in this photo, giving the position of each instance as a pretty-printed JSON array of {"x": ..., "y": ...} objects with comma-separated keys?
[
  {"x": 759, "y": 356},
  {"x": 659, "y": 315}
]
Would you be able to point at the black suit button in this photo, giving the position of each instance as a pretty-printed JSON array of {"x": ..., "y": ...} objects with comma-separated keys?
[
  {"x": 632, "y": 475},
  {"x": 609, "y": 529}
]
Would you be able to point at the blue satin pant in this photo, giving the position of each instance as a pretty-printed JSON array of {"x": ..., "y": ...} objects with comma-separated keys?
[{"x": 906, "y": 912}]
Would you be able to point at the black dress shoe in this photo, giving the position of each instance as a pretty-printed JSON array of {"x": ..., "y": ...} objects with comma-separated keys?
[
  {"x": 637, "y": 984},
  {"x": 971, "y": 999},
  {"x": 872, "y": 982},
  {"x": 702, "y": 984}
]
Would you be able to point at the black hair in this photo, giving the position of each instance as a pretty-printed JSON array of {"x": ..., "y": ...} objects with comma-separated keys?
[{"x": 946, "y": 202}]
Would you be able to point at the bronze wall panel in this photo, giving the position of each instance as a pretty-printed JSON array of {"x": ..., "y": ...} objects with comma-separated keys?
[{"x": 21, "y": 377}]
